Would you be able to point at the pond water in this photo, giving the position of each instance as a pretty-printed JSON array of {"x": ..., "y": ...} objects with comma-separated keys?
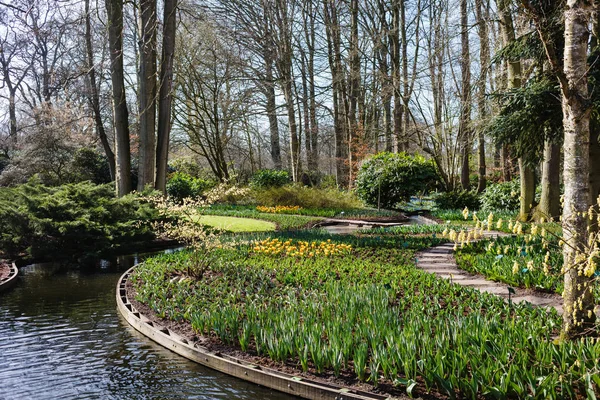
[
  {"x": 346, "y": 229},
  {"x": 62, "y": 337}
]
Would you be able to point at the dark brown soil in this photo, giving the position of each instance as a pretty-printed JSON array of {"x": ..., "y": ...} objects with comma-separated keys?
[{"x": 347, "y": 378}]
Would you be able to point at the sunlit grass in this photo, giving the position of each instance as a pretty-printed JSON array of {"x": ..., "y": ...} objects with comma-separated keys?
[{"x": 235, "y": 224}]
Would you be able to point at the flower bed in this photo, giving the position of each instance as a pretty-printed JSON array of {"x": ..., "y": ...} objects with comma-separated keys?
[{"x": 370, "y": 316}]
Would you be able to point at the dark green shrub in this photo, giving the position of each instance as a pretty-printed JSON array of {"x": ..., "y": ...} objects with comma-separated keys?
[
  {"x": 267, "y": 178},
  {"x": 501, "y": 196},
  {"x": 81, "y": 218},
  {"x": 89, "y": 165},
  {"x": 504, "y": 196},
  {"x": 182, "y": 185},
  {"x": 387, "y": 178},
  {"x": 458, "y": 199}
]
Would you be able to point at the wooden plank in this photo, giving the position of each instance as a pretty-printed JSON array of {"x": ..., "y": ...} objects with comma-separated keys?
[{"x": 11, "y": 281}]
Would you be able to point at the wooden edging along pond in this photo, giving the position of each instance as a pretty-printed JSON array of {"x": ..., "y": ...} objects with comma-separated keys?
[
  {"x": 297, "y": 386},
  {"x": 11, "y": 280}
]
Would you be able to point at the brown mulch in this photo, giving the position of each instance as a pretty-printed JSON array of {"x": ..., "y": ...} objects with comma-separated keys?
[
  {"x": 346, "y": 379},
  {"x": 4, "y": 270}
]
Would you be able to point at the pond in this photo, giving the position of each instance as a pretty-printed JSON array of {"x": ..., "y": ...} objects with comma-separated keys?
[{"x": 62, "y": 337}]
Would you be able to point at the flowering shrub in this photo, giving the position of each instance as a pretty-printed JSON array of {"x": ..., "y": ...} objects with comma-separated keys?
[
  {"x": 278, "y": 209},
  {"x": 301, "y": 248}
]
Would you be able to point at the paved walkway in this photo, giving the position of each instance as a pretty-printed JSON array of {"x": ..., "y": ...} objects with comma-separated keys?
[{"x": 440, "y": 260}]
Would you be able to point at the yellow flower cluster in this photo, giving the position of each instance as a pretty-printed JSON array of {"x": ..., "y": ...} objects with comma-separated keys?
[
  {"x": 300, "y": 248},
  {"x": 278, "y": 209}
]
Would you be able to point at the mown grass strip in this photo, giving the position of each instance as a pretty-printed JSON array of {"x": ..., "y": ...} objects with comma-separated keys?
[{"x": 236, "y": 224}]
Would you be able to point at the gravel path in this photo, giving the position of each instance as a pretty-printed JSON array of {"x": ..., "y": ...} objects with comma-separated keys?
[{"x": 440, "y": 260}]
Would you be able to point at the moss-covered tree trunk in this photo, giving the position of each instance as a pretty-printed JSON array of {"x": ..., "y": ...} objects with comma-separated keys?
[
  {"x": 484, "y": 55},
  {"x": 513, "y": 76},
  {"x": 527, "y": 177},
  {"x": 549, "y": 206},
  {"x": 464, "y": 129},
  {"x": 578, "y": 298}
]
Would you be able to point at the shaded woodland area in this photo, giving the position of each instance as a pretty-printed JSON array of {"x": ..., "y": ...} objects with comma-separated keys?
[{"x": 310, "y": 86}]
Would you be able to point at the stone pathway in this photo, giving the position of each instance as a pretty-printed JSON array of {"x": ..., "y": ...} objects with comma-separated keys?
[{"x": 440, "y": 260}]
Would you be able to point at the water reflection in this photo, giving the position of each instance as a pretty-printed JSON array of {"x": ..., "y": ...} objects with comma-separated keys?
[{"x": 61, "y": 337}]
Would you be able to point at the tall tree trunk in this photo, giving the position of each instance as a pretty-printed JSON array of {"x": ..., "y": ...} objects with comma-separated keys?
[
  {"x": 464, "y": 130},
  {"x": 578, "y": 298},
  {"x": 594, "y": 166},
  {"x": 507, "y": 167},
  {"x": 332, "y": 30},
  {"x": 114, "y": 9},
  {"x": 285, "y": 68},
  {"x": 93, "y": 96},
  {"x": 147, "y": 94},
  {"x": 271, "y": 103},
  {"x": 549, "y": 206},
  {"x": 288, "y": 94},
  {"x": 484, "y": 55},
  {"x": 527, "y": 177},
  {"x": 165, "y": 94},
  {"x": 404, "y": 140},
  {"x": 311, "y": 102},
  {"x": 595, "y": 128},
  {"x": 514, "y": 81},
  {"x": 354, "y": 82},
  {"x": 305, "y": 111},
  {"x": 12, "y": 116},
  {"x": 395, "y": 50}
]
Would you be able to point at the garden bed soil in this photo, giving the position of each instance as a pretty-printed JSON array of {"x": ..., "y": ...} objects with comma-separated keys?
[
  {"x": 347, "y": 378},
  {"x": 4, "y": 270}
]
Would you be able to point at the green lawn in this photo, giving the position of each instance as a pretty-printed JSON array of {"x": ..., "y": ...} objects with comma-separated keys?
[{"x": 235, "y": 224}]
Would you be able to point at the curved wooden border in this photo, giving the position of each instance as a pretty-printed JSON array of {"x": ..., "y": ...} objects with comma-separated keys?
[
  {"x": 270, "y": 378},
  {"x": 9, "y": 282}
]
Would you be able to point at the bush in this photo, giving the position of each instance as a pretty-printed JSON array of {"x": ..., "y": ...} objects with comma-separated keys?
[
  {"x": 89, "y": 165},
  {"x": 267, "y": 178},
  {"x": 80, "y": 218},
  {"x": 502, "y": 196},
  {"x": 182, "y": 185},
  {"x": 387, "y": 178},
  {"x": 305, "y": 197},
  {"x": 458, "y": 199}
]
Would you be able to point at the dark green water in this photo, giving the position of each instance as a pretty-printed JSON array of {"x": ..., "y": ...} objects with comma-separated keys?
[{"x": 61, "y": 337}]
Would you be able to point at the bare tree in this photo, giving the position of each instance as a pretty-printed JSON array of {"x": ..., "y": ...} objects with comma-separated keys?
[
  {"x": 283, "y": 12},
  {"x": 114, "y": 9},
  {"x": 147, "y": 94},
  {"x": 92, "y": 92},
  {"x": 165, "y": 95},
  {"x": 211, "y": 96},
  {"x": 11, "y": 46}
]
